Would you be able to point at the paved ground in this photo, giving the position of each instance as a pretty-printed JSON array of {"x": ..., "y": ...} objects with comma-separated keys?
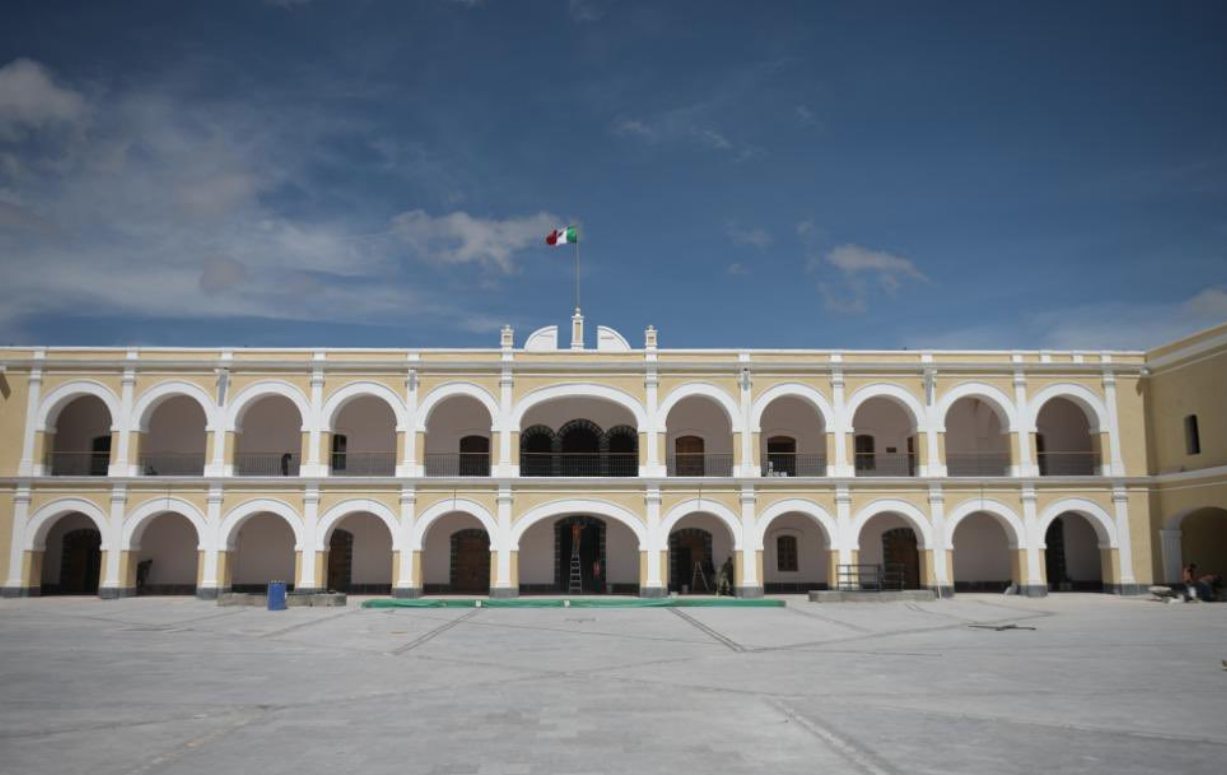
[{"x": 1101, "y": 685}]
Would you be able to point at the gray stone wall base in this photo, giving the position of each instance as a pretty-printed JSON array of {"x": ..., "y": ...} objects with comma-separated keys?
[
  {"x": 1033, "y": 590},
  {"x": 749, "y": 592},
  {"x": 316, "y": 600},
  {"x": 407, "y": 593},
  {"x": 943, "y": 592},
  {"x": 861, "y": 596},
  {"x": 1126, "y": 589},
  {"x": 502, "y": 593},
  {"x": 19, "y": 591},
  {"x": 209, "y": 593},
  {"x": 115, "y": 593},
  {"x": 653, "y": 592}
]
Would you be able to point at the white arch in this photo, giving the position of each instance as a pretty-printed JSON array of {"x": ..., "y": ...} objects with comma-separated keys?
[
  {"x": 139, "y": 518},
  {"x": 345, "y": 508},
  {"x": 1099, "y": 518},
  {"x": 707, "y": 390},
  {"x": 270, "y": 387},
  {"x": 904, "y": 509},
  {"x": 235, "y": 518},
  {"x": 699, "y": 506},
  {"x": 1176, "y": 519},
  {"x": 896, "y": 393},
  {"x": 1015, "y": 531},
  {"x": 1084, "y": 397},
  {"x": 580, "y": 390},
  {"x": 54, "y": 402},
  {"x": 583, "y": 506},
  {"x": 454, "y": 506},
  {"x": 798, "y": 390},
  {"x": 45, "y": 518},
  {"x": 996, "y": 398},
  {"x": 814, "y": 511},
  {"x": 340, "y": 398},
  {"x": 450, "y": 389},
  {"x": 153, "y": 397}
]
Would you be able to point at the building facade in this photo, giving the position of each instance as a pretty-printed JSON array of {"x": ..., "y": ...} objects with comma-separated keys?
[{"x": 543, "y": 468}]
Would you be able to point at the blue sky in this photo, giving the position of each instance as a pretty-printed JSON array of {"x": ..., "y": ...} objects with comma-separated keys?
[{"x": 804, "y": 174}]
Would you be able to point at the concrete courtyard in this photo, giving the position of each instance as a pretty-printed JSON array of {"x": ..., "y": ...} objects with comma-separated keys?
[{"x": 1100, "y": 685}]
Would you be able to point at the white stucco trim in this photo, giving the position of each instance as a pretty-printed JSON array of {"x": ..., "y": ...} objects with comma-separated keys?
[
  {"x": 580, "y": 390},
  {"x": 55, "y": 401},
  {"x": 358, "y": 389},
  {"x": 1015, "y": 530},
  {"x": 699, "y": 506},
  {"x": 238, "y": 405},
  {"x": 450, "y": 390},
  {"x": 904, "y": 509},
  {"x": 578, "y": 506},
  {"x": 339, "y": 512},
  {"x": 896, "y": 393},
  {"x": 45, "y": 518},
  {"x": 153, "y": 397},
  {"x": 706, "y": 390},
  {"x": 808, "y": 394},
  {"x": 139, "y": 518},
  {"x": 1086, "y": 399},
  {"x": 238, "y": 515},
  {"x": 455, "y": 506},
  {"x": 810, "y": 509},
  {"x": 996, "y": 398},
  {"x": 1094, "y": 513}
]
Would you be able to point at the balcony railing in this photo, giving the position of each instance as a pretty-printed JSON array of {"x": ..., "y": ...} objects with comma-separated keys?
[
  {"x": 977, "y": 463},
  {"x": 267, "y": 464},
  {"x": 794, "y": 464},
  {"x": 1068, "y": 463},
  {"x": 698, "y": 464},
  {"x": 362, "y": 464},
  {"x": 579, "y": 464},
  {"x": 885, "y": 464},
  {"x": 79, "y": 463},
  {"x": 458, "y": 464},
  {"x": 172, "y": 464}
]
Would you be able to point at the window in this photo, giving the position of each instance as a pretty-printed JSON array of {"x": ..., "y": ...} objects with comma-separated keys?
[
  {"x": 689, "y": 453},
  {"x": 474, "y": 456},
  {"x": 1192, "y": 439},
  {"x": 340, "y": 443},
  {"x": 782, "y": 456},
  {"x": 786, "y": 553},
  {"x": 864, "y": 453}
]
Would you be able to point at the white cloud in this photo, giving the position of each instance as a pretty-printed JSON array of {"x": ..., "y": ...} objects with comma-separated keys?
[
  {"x": 758, "y": 237},
  {"x": 857, "y": 266},
  {"x": 889, "y": 270},
  {"x": 585, "y": 11},
  {"x": 30, "y": 99},
  {"x": 1210, "y": 303},
  {"x": 737, "y": 269},
  {"x": 460, "y": 238},
  {"x": 805, "y": 115}
]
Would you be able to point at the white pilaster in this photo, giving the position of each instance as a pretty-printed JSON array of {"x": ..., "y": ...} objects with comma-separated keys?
[
  {"x": 503, "y": 580},
  {"x": 21, "y": 515},
  {"x": 1173, "y": 556},
  {"x": 311, "y": 521},
  {"x": 110, "y": 540},
  {"x": 217, "y": 466},
  {"x": 1124, "y": 540},
  {"x": 937, "y": 517},
  {"x": 845, "y": 541},
  {"x": 1024, "y": 466},
  {"x": 1035, "y": 540},
  {"x": 212, "y": 538},
  {"x": 935, "y": 466},
  {"x": 503, "y": 424},
  {"x": 125, "y": 423},
  {"x": 655, "y": 542},
  {"x": 651, "y": 384},
  {"x": 409, "y": 464},
  {"x": 29, "y": 466},
  {"x": 749, "y": 554},
  {"x": 407, "y": 526},
  {"x": 745, "y": 407},
  {"x": 1117, "y": 464},
  {"x": 842, "y": 424},
  {"x": 313, "y": 466}
]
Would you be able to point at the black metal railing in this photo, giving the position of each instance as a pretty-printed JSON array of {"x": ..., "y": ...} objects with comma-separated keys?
[
  {"x": 1068, "y": 463},
  {"x": 885, "y": 464},
  {"x": 267, "y": 464},
  {"x": 79, "y": 463},
  {"x": 457, "y": 464},
  {"x": 579, "y": 464},
  {"x": 362, "y": 464},
  {"x": 977, "y": 463},
  {"x": 794, "y": 464},
  {"x": 700, "y": 464},
  {"x": 871, "y": 577},
  {"x": 172, "y": 463}
]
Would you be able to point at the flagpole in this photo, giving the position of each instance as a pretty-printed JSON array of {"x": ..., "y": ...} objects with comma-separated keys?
[{"x": 577, "y": 270}]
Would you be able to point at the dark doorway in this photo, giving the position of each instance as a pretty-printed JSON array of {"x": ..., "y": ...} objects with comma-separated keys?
[
  {"x": 340, "y": 560},
  {"x": 474, "y": 456},
  {"x": 782, "y": 455},
  {"x": 581, "y": 448},
  {"x": 537, "y": 451},
  {"x": 688, "y": 451},
  {"x": 901, "y": 558},
  {"x": 623, "y": 452},
  {"x": 690, "y": 548},
  {"x": 470, "y": 571},
  {"x": 593, "y": 571},
  {"x": 100, "y": 456},
  {"x": 80, "y": 562}
]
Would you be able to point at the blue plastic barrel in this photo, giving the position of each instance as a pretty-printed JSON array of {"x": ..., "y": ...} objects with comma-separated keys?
[{"x": 276, "y": 596}]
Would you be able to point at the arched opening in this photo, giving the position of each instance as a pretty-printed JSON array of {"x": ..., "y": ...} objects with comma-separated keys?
[
  {"x": 1063, "y": 442},
  {"x": 982, "y": 561},
  {"x": 364, "y": 439},
  {"x": 452, "y": 556},
  {"x": 458, "y": 438},
  {"x": 889, "y": 553},
  {"x": 700, "y": 548},
  {"x": 81, "y": 444},
  {"x": 1071, "y": 555},
  {"x": 579, "y": 436},
  {"x": 885, "y": 439},
  {"x": 699, "y": 438},
  {"x": 579, "y": 554},
  {"x": 977, "y": 444},
  {"x": 174, "y": 444},
  {"x": 269, "y": 440},
  {"x": 793, "y": 439},
  {"x": 796, "y": 556},
  {"x": 169, "y": 554},
  {"x": 1203, "y": 542},
  {"x": 360, "y": 556},
  {"x": 263, "y": 552},
  {"x": 72, "y": 558}
]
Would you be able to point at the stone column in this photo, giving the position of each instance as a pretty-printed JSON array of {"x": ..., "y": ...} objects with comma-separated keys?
[
  {"x": 112, "y": 552},
  {"x": 407, "y": 461},
  {"x": 1113, "y": 463},
  {"x": 408, "y": 580},
  {"x": 33, "y": 457},
  {"x": 942, "y": 571},
  {"x": 652, "y": 585},
  {"x": 306, "y": 580},
  {"x": 121, "y": 427},
  {"x": 1024, "y": 462},
  {"x": 1035, "y": 585},
  {"x": 843, "y": 460},
  {"x": 507, "y": 582},
  {"x": 750, "y": 582},
  {"x": 846, "y": 542},
  {"x": 313, "y": 425},
  {"x": 22, "y": 580},
  {"x": 212, "y": 562},
  {"x": 1127, "y": 584}
]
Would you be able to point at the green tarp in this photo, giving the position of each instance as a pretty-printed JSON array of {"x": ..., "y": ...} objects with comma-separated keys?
[{"x": 578, "y": 602}]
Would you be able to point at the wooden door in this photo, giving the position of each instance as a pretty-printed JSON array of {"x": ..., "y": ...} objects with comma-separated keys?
[
  {"x": 470, "y": 562},
  {"x": 899, "y": 552},
  {"x": 340, "y": 560},
  {"x": 81, "y": 562},
  {"x": 688, "y": 456}
]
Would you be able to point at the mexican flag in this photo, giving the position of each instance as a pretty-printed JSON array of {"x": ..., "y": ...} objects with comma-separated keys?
[{"x": 566, "y": 235}]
